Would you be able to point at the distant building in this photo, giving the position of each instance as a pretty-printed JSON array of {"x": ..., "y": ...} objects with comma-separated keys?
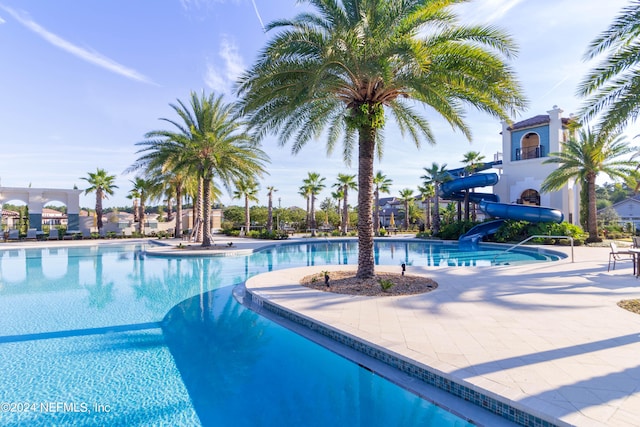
[
  {"x": 52, "y": 217},
  {"x": 628, "y": 210}
]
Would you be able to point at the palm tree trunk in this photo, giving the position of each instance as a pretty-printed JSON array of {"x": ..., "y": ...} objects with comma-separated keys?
[
  {"x": 467, "y": 206},
  {"x": 141, "y": 214},
  {"x": 406, "y": 215},
  {"x": 198, "y": 211},
  {"x": 436, "y": 212},
  {"x": 270, "y": 215},
  {"x": 169, "y": 209},
  {"x": 345, "y": 213},
  {"x": 99, "y": 208},
  {"x": 376, "y": 213},
  {"x": 593, "y": 220},
  {"x": 427, "y": 215},
  {"x": 206, "y": 214},
  {"x": 366, "y": 144},
  {"x": 247, "y": 218},
  {"x": 178, "y": 229},
  {"x": 135, "y": 210},
  {"x": 312, "y": 215}
]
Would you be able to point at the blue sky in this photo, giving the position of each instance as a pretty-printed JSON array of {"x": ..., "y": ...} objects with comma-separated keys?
[{"x": 81, "y": 82}]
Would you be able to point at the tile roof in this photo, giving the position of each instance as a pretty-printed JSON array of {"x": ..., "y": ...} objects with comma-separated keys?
[{"x": 540, "y": 119}]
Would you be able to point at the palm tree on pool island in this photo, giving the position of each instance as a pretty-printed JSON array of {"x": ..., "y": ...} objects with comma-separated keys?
[
  {"x": 103, "y": 185},
  {"x": 343, "y": 65},
  {"x": 208, "y": 142}
]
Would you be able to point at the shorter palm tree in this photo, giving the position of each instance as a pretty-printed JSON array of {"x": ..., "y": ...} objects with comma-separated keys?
[
  {"x": 270, "y": 190},
  {"x": 345, "y": 182},
  {"x": 471, "y": 160},
  {"x": 103, "y": 185},
  {"x": 427, "y": 192},
  {"x": 406, "y": 195},
  {"x": 582, "y": 160},
  {"x": 436, "y": 175},
  {"x": 382, "y": 184},
  {"x": 247, "y": 189},
  {"x": 314, "y": 184}
]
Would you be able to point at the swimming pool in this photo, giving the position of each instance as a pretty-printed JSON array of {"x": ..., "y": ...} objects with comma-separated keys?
[{"x": 103, "y": 335}]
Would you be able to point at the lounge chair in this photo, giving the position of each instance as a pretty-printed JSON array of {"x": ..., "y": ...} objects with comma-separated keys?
[
  {"x": 618, "y": 255},
  {"x": 32, "y": 234},
  {"x": 53, "y": 234},
  {"x": 14, "y": 235}
]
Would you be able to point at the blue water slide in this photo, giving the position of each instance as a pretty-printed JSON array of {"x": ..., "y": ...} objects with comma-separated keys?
[
  {"x": 476, "y": 234},
  {"x": 489, "y": 203},
  {"x": 454, "y": 189},
  {"x": 521, "y": 212}
]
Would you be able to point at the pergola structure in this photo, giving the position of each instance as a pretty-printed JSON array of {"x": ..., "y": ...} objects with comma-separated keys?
[{"x": 37, "y": 198}]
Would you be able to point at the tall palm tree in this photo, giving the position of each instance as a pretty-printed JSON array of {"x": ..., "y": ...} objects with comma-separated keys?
[
  {"x": 270, "y": 190},
  {"x": 612, "y": 87},
  {"x": 247, "y": 189},
  {"x": 314, "y": 184},
  {"x": 103, "y": 185},
  {"x": 211, "y": 143},
  {"x": 343, "y": 65},
  {"x": 471, "y": 161},
  {"x": 436, "y": 175},
  {"x": 582, "y": 160},
  {"x": 427, "y": 191},
  {"x": 381, "y": 184},
  {"x": 345, "y": 182},
  {"x": 406, "y": 195}
]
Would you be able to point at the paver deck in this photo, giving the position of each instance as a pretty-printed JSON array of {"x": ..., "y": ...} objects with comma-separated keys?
[{"x": 547, "y": 337}]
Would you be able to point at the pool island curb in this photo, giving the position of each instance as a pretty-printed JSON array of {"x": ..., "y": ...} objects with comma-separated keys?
[{"x": 519, "y": 339}]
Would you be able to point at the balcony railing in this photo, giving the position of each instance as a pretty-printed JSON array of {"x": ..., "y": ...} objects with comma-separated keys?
[{"x": 529, "y": 153}]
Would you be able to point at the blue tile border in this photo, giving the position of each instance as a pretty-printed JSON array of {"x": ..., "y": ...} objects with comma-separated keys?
[{"x": 408, "y": 367}]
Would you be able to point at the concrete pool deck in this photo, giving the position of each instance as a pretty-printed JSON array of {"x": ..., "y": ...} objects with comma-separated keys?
[{"x": 546, "y": 338}]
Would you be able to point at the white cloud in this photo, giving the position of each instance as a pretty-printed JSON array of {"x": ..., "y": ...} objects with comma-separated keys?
[
  {"x": 221, "y": 77},
  {"x": 82, "y": 53}
]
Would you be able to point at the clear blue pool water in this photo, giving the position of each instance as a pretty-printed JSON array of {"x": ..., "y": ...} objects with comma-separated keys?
[{"x": 103, "y": 335}]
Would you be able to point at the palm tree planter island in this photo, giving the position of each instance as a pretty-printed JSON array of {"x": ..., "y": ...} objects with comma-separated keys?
[{"x": 344, "y": 65}]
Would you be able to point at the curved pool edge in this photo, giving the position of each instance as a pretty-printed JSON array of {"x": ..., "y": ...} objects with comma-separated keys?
[
  {"x": 523, "y": 334},
  {"x": 273, "y": 294}
]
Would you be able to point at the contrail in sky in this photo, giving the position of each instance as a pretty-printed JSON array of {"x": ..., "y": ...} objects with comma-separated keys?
[
  {"x": 258, "y": 14},
  {"x": 82, "y": 53}
]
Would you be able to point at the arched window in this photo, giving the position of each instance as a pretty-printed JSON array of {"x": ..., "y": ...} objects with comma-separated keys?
[
  {"x": 530, "y": 147},
  {"x": 530, "y": 197}
]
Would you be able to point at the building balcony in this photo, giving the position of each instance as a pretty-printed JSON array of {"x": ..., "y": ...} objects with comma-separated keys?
[{"x": 530, "y": 153}]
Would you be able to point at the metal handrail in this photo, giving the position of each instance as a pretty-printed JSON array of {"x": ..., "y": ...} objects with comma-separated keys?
[{"x": 537, "y": 236}]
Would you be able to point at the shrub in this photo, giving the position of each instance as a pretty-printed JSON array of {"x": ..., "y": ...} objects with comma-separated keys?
[
  {"x": 517, "y": 231},
  {"x": 454, "y": 230},
  {"x": 264, "y": 234},
  {"x": 386, "y": 284}
]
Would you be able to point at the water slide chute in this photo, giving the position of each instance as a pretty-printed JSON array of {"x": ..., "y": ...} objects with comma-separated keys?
[{"x": 489, "y": 203}]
